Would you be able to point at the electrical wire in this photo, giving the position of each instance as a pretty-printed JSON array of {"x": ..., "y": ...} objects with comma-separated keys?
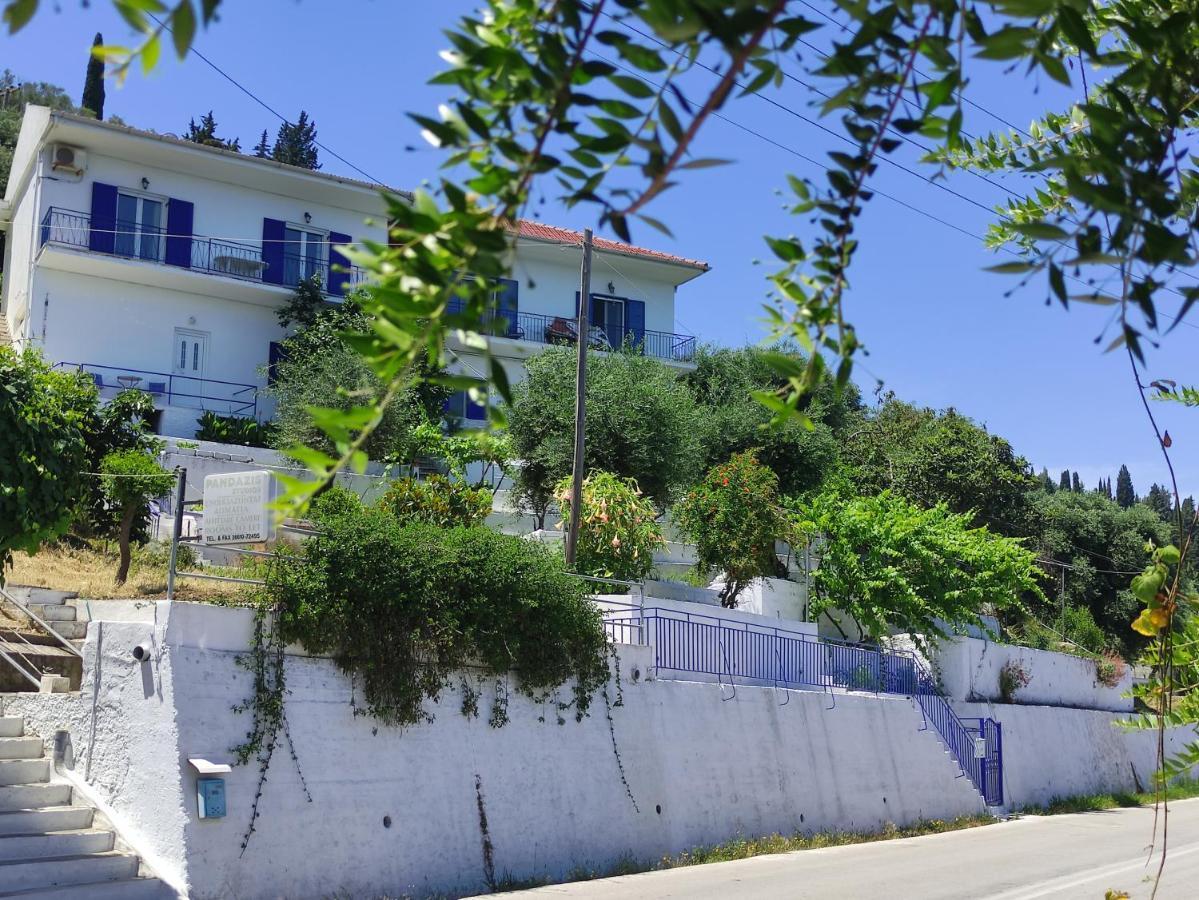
[
  {"x": 245, "y": 90},
  {"x": 877, "y": 191}
]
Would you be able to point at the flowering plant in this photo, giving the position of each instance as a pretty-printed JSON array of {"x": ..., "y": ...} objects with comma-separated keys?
[
  {"x": 618, "y": 531},
  {"x": 733, "y": 518}
]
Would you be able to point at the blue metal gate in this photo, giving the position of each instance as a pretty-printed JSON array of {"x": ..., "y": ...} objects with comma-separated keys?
[{"x": 989, "y": 754}]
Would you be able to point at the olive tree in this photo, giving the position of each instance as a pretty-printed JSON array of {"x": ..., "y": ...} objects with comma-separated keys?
[
  {"x": 44, "y": 416},
  {"x": 641, "y": 424},
  {"x": 132, "y": 478}
]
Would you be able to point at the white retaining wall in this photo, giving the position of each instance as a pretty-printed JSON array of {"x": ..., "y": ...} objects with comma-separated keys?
[
  {"x": 702, "y": 769},
  {"x": 1049, "y": 752},
  {"x": 969, "y": 669}
]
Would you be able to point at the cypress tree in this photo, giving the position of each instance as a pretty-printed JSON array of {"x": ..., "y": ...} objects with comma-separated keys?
[
  {"x": 205, "y": 133},
  {"x": 1046, "y": 481},
  {"x": 1125, "y": 495},
  {"x": 263, "y": 148},
  {"x": 1063, "y": 482},
  {"x": 93, "y": 83},
  {"x": 1076, "y": 483},
  {"x": 296, "y": 144}
]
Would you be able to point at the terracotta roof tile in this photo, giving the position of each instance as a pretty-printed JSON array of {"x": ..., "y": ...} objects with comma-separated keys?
[{"x": 542, "y": 232}]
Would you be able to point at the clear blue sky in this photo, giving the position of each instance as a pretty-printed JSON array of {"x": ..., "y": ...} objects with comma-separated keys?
[{"x": 940, "y": 330}]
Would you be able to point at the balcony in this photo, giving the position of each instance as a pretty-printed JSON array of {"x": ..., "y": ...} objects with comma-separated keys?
[
  {"x": 72, "y": 229},
  {"x": 563, "y": 330},
  {"x": 229, "y": 398}
]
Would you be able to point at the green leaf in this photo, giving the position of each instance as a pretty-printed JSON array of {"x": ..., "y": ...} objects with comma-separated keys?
[
  {"x": 705, "y": 163},
  {"x": 183, "y": 27},
  {"x": 18, "y": 13},
  {"x": 1042, "y": 231},
  {"x": 1012, "y": 268}
]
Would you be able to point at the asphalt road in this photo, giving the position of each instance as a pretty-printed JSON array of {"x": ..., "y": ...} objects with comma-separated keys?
[{"x": 1069, "y": 856}]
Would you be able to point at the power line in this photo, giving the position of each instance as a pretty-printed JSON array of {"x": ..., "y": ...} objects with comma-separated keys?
[
  {"x": 245, "y": 90},
  {"x": 874, "y": 190}
]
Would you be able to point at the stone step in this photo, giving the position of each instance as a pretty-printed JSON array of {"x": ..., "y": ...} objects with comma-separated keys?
[
  {"x": 54, "y": 612},
  {"x": 131, "y": 889},
  {"x": 72, "y": 631},
  {"x": 61, "y": 871},
  {"x": 40, "y": 595},
  {"x": 34, "y": 796},
  {"x": 55, "y": 843},
  {"x": 11, "y": 726},
  {"x": 50, "y": 818},
  {"x": 24, "y": 771},
  {"x": 29, "y": 747}
]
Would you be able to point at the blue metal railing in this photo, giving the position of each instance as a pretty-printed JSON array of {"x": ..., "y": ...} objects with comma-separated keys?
[
  {"x": 223, "y": 397},
  {"x": 214, "y": 256},
  {"x": 696, "y": 643},
  {"x": 547, "y": 329}
]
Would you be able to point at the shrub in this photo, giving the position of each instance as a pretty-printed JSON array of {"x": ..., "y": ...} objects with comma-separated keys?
[
  {"x": 43, "y": 450},
  {"x": 436, "y": 500},
  {"x": 1012, "y": 677},
  {"x": 240, "y": 430},
  {"x": 131, "y": 480},
  {"x": 1110, "y": 669},
  {"x": 618, "y": 532},
  {"x": 733, "y": 518},
  {"x": 404, "y": 608}
]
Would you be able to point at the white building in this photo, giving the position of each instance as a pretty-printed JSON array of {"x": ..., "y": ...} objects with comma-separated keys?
[{"x": 157, "y": 263}]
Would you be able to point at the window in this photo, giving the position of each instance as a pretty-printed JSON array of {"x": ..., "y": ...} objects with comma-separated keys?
[
  {"x": 139, "y": 226},
  {"x": 305, "y": 253},
  {"x": 459, "y": 406}
]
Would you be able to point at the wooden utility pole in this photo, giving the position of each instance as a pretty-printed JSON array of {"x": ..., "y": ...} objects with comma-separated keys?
[{"x": 581, "y": 342}]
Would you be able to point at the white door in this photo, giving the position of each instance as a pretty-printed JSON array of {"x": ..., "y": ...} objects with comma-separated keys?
[{"x": 190, "y": 358}]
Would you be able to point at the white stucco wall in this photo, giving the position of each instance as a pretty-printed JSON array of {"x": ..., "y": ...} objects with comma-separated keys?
[
  {"x": 969, "y": 669},
  {"x": 701, "y": 769},
  {"x": 1049, "y": 752}
]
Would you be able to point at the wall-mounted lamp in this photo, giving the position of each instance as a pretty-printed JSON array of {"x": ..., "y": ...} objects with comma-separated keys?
[
  {"x": 307, "y": 218},
  {"x": 611, "y": 288},
  {"x": 145, "y": 183}
]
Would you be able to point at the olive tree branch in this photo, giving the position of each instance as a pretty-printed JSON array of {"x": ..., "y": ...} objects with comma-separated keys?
[{"x": 715, "y": 101}]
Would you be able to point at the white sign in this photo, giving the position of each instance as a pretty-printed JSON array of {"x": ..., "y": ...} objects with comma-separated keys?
[{"x": 235, "y": 508}]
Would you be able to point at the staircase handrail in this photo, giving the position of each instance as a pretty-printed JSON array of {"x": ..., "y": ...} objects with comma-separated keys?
[{"x": 66, "y": 645}]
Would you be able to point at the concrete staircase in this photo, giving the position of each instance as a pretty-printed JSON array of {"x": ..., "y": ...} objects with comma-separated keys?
[
  {"x": 50, "y": 847},
  {"x": 52, "y": 608}
]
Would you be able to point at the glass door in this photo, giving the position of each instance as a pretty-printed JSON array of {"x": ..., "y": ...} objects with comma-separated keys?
[
  {"x": 609, "y": 319},
  {"x": 303, "y": 255},
  {"x": 139, "y": 227}
]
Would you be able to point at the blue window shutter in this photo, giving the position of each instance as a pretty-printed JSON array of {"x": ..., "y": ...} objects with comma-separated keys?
[
  {"x": 338, "y": 280},
  {"x": 103, "y": 237},
  {"x": 272, "y": 250},
  {"x": 634, "y": 314},
  {"x": 180, "y": 214},
  {"x": 507, "y": 306},
  {"x": 475, "y": 412}
]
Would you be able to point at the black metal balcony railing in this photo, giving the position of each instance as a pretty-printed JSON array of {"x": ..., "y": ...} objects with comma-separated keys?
[
  {"x": 545, "y": 329},
  {"x": 225, "y": 397},
  {"x": 68, "y": 228}
]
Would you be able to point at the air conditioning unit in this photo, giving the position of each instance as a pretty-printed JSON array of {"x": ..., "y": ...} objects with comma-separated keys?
[{"x": 67, "y": 160}]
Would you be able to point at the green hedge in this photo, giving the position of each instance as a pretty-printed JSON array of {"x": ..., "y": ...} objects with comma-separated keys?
[{"x": 409, "y": 609}]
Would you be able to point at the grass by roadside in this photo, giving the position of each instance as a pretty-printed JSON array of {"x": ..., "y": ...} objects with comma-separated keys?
[
  {"x": 1182, "y": 790},
  {"x": 91, "y": 570},
  {"x": 744, "y": 848}
]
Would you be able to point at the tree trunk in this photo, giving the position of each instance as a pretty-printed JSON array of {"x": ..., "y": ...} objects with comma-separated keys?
[{"x": 126, "y": 531}]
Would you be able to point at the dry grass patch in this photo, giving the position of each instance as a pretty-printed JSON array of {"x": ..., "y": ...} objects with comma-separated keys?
[{"x": 91, "y": 572}]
